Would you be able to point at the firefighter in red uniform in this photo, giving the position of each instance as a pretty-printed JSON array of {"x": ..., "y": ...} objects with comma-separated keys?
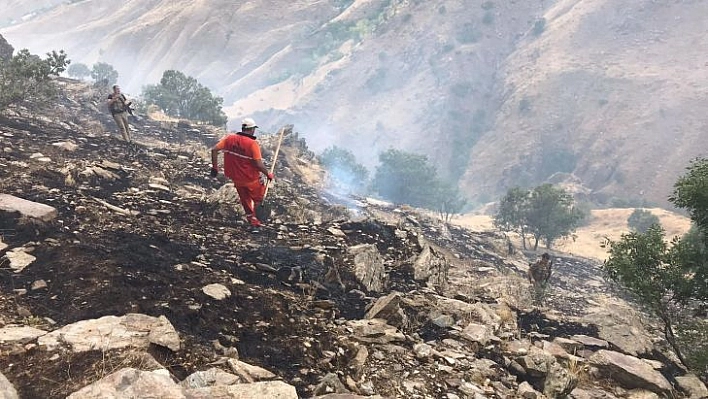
[{"x": 243, "y": 164}]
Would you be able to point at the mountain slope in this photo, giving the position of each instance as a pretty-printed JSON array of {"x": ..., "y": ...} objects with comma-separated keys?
[
  {"x": 613, "y": 89},
  {"x": 496, "y": 93}
]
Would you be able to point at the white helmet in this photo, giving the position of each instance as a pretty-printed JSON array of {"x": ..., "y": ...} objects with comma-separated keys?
[{"x": 248, "y": 123}]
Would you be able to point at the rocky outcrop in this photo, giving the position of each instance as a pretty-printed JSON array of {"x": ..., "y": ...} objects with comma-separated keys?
[{"x": 629, "y": 371}]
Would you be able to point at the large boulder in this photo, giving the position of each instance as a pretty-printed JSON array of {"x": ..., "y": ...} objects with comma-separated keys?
[
  {"x": 692, "y": 386},
  {"x": 255, "y": 390},
  {"x": 7, "y": 390},
  {"x": 112, "y": 332},
  {"x": 131, "y": 383},
  {"x": 28, "y": 209},
  {"x": 388, "y": 308},
  {"x": 630, "y": 372},
  {"x": 430, "y": 266},
  {"x": 368, "y": 266}
]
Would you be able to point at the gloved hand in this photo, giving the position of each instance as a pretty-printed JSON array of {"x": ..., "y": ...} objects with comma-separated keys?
[
  {"x": 271, "y": 176},
  {"x": 214, "y": 171}
]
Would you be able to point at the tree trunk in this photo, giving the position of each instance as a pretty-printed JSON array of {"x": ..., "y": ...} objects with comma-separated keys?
[
  {"x": 523, "y": 239},
  {"x": 671, "y": 338},
  {"x": 535, "y": 243}
]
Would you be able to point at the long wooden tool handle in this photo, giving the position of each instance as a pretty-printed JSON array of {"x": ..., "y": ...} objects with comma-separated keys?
[{"x": 275, "y": 157}]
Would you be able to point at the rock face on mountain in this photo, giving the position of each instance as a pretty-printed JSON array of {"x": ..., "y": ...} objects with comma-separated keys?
[
  {"x": 148, "y": 279},
  {"x": 509, "y": 92}
]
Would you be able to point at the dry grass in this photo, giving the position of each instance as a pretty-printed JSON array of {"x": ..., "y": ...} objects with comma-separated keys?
[{"x": 604, "y": 223}]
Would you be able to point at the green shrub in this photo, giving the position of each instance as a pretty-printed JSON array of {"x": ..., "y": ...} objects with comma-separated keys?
[
  {"x": 26, "y": 78},
  {"x": 641, "y": 220}
]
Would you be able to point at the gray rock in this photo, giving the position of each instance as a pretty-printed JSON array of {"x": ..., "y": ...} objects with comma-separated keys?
[
  {"x": 346, "y": 396},
  {"x": 430, "y": 266},
  {"x": 559, "y": 382},
  {"x": 444, "y": 321},
  {"x": 526, "y": 391},
  {"x": 642, "y": 394},
  {"x": 629, "y": 371},
  {"x": 590, "y": 341},
  {"x": 423, "y": 351},
  {"x": 478, "y": 333},
  {"x": 112, "y": 332},
  {"x": 131, "y": 383},
  {"x": 7, "y": 390},
  {"x": 368, "y": 266},
  {"x": 248, "y": 372},
  {"x": 330, "y": 383},
  {"x": 255, "y": 390},
  {"x": 216, "y": 291},
  {"x": 208, "y": 378},
  {"x": 28, "y": 209},
  {"x": 692, "y": 386},
  {"x": 375, "y": 331},
  {"x": 19, "y": 259},
  {"x": 388, "y": 308},
  {"x": 19, "y": 334}
]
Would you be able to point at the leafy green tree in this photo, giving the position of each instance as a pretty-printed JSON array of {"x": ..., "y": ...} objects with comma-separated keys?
[
  {"x": 105, "y": 73},
  {"x": 511, "y": 214},
  {"x": 78, "y": 70},
  {"x": 403, "y": 178},
  {"x": 27, "y": 78},
  {"x": 183, "y": 96},
  {"x": 551, "y": 214},
  {"x": 344, "y": 169},
  {"x": 640, "y": 220},
  {"x": 448, "y": 199},
  {"x": 671, "y": 279},
  {"x": 691, "y": 192}
]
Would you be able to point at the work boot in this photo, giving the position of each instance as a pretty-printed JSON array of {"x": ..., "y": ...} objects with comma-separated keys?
[{"x": 254, "y": 221}]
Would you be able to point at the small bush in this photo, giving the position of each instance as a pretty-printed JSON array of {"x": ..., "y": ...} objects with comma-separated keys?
[
  {"x": 641, "y": 220},
  {"x": 539, "y": 26},
  {"x": 487, "y": 5},
  {"x": 488, "y": 18}
]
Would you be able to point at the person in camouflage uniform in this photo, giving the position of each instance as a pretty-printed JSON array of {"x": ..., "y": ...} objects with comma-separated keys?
[{"x": 540, "y": 272}]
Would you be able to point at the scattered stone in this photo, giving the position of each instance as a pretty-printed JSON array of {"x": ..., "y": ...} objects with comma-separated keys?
[
  {"x": 38, "y": 285},
  {"x": 29, "y": 209},
  {"x": 216, "y": 291}
]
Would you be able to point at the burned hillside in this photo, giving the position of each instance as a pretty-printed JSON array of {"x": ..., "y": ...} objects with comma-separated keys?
[{"x": 127, "y": 270}]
